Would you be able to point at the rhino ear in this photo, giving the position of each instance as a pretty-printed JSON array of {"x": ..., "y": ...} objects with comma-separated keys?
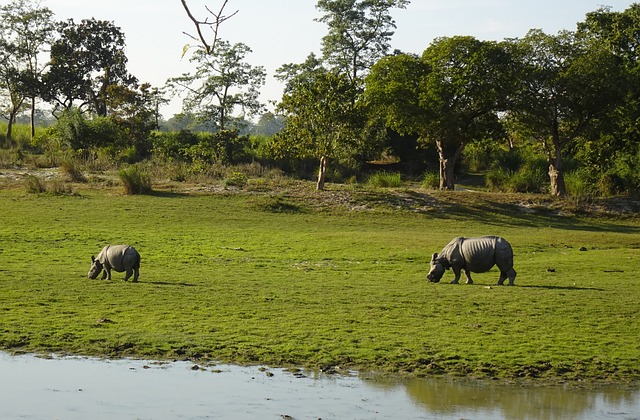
[
  {"x": 93, "y": 259},
  {"x": 434, "y": 256}
]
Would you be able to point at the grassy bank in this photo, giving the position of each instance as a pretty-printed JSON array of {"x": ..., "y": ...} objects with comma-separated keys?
[{"x": 283, "y": 281}]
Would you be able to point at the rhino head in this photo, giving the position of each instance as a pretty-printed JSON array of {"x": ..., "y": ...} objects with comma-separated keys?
[
  {"x": 96, "y": 268},
  {"x": 436, "y": 269}
]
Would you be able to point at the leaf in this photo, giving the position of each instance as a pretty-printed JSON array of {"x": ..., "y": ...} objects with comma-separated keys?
[{"x": 184, "y": 50}]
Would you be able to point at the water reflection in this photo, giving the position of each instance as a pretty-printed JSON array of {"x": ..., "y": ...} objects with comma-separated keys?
[
  {"x": 446, "y": 399},
  {"x": 79, "y": 388}
]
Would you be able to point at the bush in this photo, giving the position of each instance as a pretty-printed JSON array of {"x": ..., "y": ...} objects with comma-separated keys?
[
  {"x": 385, "y": 179},
  {"x": 579, "y": 185},
  {"x": 526, "y": 180},
  {"x": 71, "y": 168},
  {"x": 236, "y": 179},
  {"x": 34, "y": 184},
  {"x": 431, "y": 180},
  {"x": 135, "y": 180}
]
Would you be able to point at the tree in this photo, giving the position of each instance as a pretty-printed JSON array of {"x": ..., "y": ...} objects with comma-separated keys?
[
  {"x": 612, "y": 149},
  {"x": 86, "y": 60},
  {"x": 450, "y": 96},
  {"x": 208, "y": 46},
  {"x": 320, "y": 115},
  {"x": 565, "y": 84},
  {"x": 359, "y": 33},
  {"x": 222, "y": 83},
  {"x": 25, "y": 30}
]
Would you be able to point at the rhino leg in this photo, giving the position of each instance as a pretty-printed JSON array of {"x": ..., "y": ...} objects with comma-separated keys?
[
  {"x": 104, "y": 274},
  {"x": 456, "y": 272},
  {"x": 468, "y": 274},
  {"x": 511, "y": 274},
  {"x": 107, "y": 272},
  {"x": 128, "y": 274},
  {"x": 136, "y": 273}
]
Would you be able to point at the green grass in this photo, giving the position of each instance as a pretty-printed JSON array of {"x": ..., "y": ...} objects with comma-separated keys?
[{"x": 230, "y": 277}]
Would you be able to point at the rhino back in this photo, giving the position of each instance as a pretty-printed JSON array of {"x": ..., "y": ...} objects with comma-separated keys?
[
  {"x": 121, "y": 257},
  {"x": 479, "y": 253}
]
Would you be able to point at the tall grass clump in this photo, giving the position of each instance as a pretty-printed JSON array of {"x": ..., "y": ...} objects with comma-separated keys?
[
  {"x": 384, "y": 179},
  {"x": 34, "y": 184},
  {"x": 71, "y": 168},
  {"x": 135, "y": 180},
  {"x": 431, "y": 180}
]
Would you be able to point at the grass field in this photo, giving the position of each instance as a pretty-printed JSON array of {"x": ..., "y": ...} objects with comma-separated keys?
[{"x": 282, "y": 281}]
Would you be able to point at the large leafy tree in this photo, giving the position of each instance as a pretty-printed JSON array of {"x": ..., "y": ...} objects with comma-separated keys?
[
  {"x": 87, "y": 59},
  {"x": 612, "y": 149},
  {"x": 320, "y": 116},
  {"x": 449, "y": 96},
  {"x": 566, "y": 84},
  {"x": 222, "y": 84},
  {"x": 359, "y": 33},
  {"x": 25, "y": 30}
]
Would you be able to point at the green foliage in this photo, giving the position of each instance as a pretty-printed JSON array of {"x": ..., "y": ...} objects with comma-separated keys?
[
  {"x": 87, "y": 58},
  {"x": 222, "y": 82},
  {"x": 359, "y": 33},
  {"x": 201, "y": 149},
  {"x": 430, "y": 180},
  {"x": 72, "y": 169},
  {"x": 236, "y": 179},
  {"x": 77, "y": 131},
  {"x": 525, "y": 180},
  {"x": 34, "y": 184},
  {"x": 135, "y": 180},
  {"x": 237, "y": 283},
  {"x": 385, "y": 179}
]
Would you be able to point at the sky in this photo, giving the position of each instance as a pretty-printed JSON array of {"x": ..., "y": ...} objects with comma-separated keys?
[{"x": 284, "y": 31}]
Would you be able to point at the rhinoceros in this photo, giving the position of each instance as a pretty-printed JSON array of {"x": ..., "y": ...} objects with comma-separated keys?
[
  {"x": 116, "y": 257},
  {"x": 476, "y": 255}
]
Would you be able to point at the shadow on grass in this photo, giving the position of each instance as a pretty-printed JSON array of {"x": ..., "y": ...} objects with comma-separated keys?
[
  {"x": 595, "y": 289},
  {"x": 167, "y": 194},
  {"x": 476, "y": 206},
  {"x": 166, "y": 283}
]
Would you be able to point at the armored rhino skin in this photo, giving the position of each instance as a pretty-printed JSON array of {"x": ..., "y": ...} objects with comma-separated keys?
[
  {"x": 118, "y": 258},
  {"x": 476, "y": 255}
]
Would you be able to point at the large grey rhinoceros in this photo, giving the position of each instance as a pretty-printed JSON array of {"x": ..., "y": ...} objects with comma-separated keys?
[
  {"x": 116, "y": 257},
  {"x": 476, "y": 255}
]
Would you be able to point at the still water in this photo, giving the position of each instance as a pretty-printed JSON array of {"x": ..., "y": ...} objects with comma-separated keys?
[{"x": 81, "y": 388}]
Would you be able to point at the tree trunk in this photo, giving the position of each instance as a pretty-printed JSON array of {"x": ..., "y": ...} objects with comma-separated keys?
[
  {"x": 556, "y": 171},
  {"x": 447, "y": 166},
  {"x": 33, "y": 118},
  {"x": 322, "y": 173}
]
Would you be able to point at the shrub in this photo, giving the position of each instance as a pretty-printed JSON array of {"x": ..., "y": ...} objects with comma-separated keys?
[
  {"x": 385, "y": 179},
  {"x": 236, "y": 179},
  {"x": 71, "y": 169},
  {"x": 431, "y": 180},
  {"x": 34, "y": 184},
  {"x": 527, "y": 180},
  {"x": 135, "y": 180},
  {"x": 579, "y": 185}
]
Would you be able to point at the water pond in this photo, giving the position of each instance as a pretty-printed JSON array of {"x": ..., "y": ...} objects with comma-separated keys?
[{"x": 81, "y": 388}]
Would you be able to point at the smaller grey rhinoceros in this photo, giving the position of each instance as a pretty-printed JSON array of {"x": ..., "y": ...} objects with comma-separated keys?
[
  {"x": 476, "y": 255},
  {"x": 116, "y": 257}
]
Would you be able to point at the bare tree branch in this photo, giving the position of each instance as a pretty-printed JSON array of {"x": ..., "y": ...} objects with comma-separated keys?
[{"x": 218, "y": 19}]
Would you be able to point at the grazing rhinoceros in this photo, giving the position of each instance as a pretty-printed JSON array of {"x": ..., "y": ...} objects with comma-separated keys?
[
  {"x": 116, "y": 257},
  {"x": 476, "y": 255}
]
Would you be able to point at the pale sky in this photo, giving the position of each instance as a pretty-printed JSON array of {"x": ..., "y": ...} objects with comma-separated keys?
[{"x": 284, "y": 31}]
